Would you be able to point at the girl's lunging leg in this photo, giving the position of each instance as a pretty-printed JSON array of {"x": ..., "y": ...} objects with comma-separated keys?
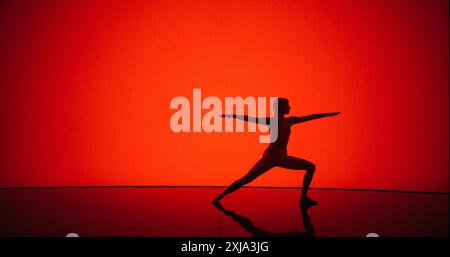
[
  {"x": 295, "y": 163},
  {"x": 258, "y": 169}
]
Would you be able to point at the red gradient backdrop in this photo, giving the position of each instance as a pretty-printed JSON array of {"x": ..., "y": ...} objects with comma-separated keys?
[{"x": 85, "y": 88}]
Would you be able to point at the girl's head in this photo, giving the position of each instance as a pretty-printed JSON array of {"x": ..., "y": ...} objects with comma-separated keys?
[{"x": 283, "y": 106}]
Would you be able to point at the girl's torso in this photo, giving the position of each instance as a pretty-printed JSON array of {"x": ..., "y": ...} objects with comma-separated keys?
[{"x": 278, "y": 149}]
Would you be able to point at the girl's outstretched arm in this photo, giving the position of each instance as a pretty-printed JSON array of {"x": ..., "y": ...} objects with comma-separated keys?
[
  {"x": 295, "y": 120},
  {"x": 265, "y": 121}
]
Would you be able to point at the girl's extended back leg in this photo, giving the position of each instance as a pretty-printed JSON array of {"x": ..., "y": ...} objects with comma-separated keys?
[
  {"x": 258, "y": 169},
  {"x": 295, "y": 163}
]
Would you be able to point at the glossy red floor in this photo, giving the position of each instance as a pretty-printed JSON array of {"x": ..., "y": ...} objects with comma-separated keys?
[{"x": 189, "y": 212}]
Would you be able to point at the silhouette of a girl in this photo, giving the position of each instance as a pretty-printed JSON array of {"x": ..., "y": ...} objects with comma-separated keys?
[{"x": 276, "y": 154}]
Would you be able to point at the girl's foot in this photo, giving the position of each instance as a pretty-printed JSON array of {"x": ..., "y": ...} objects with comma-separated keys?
[{"x": 307, "y": 202}]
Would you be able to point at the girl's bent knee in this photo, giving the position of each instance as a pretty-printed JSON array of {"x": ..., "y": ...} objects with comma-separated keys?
[{"x": 312, "y": 168}]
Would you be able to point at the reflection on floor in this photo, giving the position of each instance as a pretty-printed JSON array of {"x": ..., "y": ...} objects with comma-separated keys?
[{"x": 189, "y": 212}]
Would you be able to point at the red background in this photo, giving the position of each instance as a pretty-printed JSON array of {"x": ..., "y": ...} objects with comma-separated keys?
[{"x": 85, "y": 88}]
